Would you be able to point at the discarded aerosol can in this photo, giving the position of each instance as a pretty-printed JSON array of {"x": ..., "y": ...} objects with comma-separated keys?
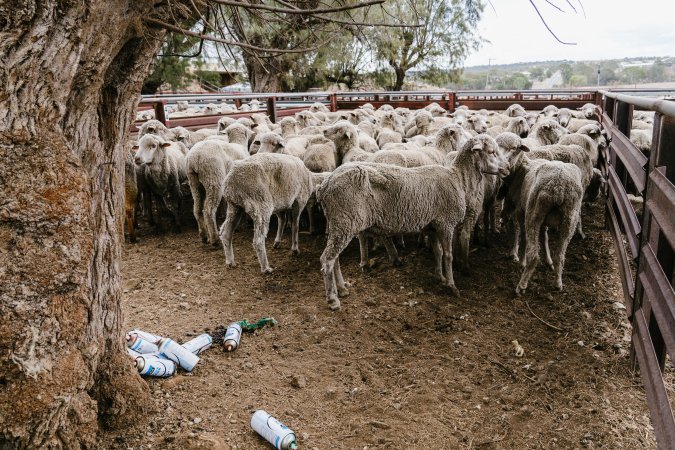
[
  {"x": 198, "y": 344},
  {"x": 147, "y": 336},
  {"x": 232, "y": 337},
  {"x": 134, "y": 354},
  {"x": 140, "y": 345},
  {"x": 275, "y": 432},
  {"x": 154, "y": 366},
  {"x": 170, "y": 349}
]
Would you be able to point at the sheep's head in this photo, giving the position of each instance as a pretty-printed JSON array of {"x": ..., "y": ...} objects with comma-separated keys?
[
  {"x": 588, "y": 110},
  {"x": 549, "y": 111},
  {"x": 549, "y": 131},
  {"x": 449, "y": 138},
  {"x": 511, "y": 148},
  {"x": 596, "y": 133},
  {"x": 519, "y": 126},
  {"x": 485, "y": 152},
  {"x": 563, "y": 116},
  {"x": 247, "y": 122},
  {"x": 152, "y": 127},
  {"x": 367, "y": 106},
  {"x": 531, "y": 118},
  {"x": 181, "y": 134},
  {"x": 515, "y": 110},
  {"x": 340, "y": 133},
  {"x": 259, "y": 119},
  {"x": 477, "y": 123},
  {"x": 211, "y": 108},
  {"x": 225, "y": 122},
  {"x": 150, "y": 147},
  {"x": 237, "y": 134},
  {"x": 595, "y": 186},
  {"x": 271, "y": 143},
  {"x": 288, "y": 125},
  {"x": 385, "y": 107},
  {"x": 423, "y": 119}
]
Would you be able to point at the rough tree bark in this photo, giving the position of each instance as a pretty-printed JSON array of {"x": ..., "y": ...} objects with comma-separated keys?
[
  {"x": 261, "y": 78},
  {"x": 71, "y": 73},
  {"x": 400, "y": 77}
]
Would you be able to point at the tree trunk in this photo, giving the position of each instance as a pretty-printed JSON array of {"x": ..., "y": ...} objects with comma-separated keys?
[
  {"x": 262, "y": 79},
  {"x": 400, "y": 76},
  {"x": 71, "y": 72}
]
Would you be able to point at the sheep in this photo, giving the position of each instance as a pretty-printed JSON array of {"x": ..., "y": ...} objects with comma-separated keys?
[
  {"x": 182, "y": 105},
  {"x": 532, "y": 118},
  {"x": 451, "y": 138},
  {"x": 496, "y": 119},
  {"x": 164, "y": 164},
  {"x": 575, "y": 124},
  {"x": 435, "y": 109},
  {"x": 587, "y": 110},
  {"x": 321, "y": 156},
  {"x": 475, "y": 124},
  {"x": 517, "y": 125},
  {"x": 387, "y": 200},
  {"x": 546, "y": 132},
  {"x": 515, "y": 110},
  {"x": 207, "y": 164},
  {"x": 156, "y": 127},
  {"x": 642, "y": 139},
  {"x": 542, "y": 194},
  {"x": 640, "y": 125},
  {"x": 549, "y": 111},
  {"x": 319, "y": 107},
  {"x": 190, "y": 138},
  {"x": 563, "y": 116},
  {"x": 225, "y": 122},
  {"x": 421, "y": 124},
  {"x": 387, "y": 135},
  {"x": 346, "y": 139},
  {"x": 289, "y": 126},
  {"x": 130, "y": 197},
  {"x": 262, "y": 185},
  {"x": 589, "y": 137},
  {"x": 306, "y": 119},
  {"x": 366, "y": 142},
  {"x": 367, "y": 127},
  {"x": 210, "y": 109},
  {"x": 238, "y": 135},
  {"x": 270, "y": 143}
]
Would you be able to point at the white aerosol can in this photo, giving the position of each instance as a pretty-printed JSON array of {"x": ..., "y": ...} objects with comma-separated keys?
[
  {"x": 170, "y": 349},
  {"x": 140, "y": 345},
  {"x": 154, "y": 366},
  {"x": 147, "y": 336},
  {"x": 134, "y": 354},
  {"x": 232, "y": 337},
  {"x": 275, "y": 432},
  {"x": 198, "y": 344}
]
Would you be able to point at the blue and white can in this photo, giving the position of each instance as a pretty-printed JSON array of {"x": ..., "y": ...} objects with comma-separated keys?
[
  {"x": 198, "y": 344},
  {"x": 147, "y": 336},
  {"x": 274, "y": 432},
  {"x": 170, "y": 349},
  {"x": 140, "y": 345},
  {"x": 232, "y": 337},
  {"x": 154, "y": 366}
]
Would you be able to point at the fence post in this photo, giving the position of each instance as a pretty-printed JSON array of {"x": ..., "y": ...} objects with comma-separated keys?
[
  {"x": 272, "y": 108},
  {"x": 451, "y": 102},
  {"x": 333, "y": 102},
  {"x": 160, "y": 113}
]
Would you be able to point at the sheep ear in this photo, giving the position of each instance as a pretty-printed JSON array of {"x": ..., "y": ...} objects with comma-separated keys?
[
  {"x": 478, "y": 146},
  {"x": 165, "y": 144},
  {"x": 135, "y": 147},
  {"x": 524, "y": 148},
  {"x": 348, "y": 133}
]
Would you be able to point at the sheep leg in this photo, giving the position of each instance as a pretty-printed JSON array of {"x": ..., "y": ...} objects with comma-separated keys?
[
  {"x": 363, "y": 251},
  {"x": 579, "y": 228},
  {"x": 331, "y": 253},
  {"x": 210, "y": 209},
  {"x": 295, "y": 227},
  {"x": 281, "y": 225},
  {"x": 234, "y": 214},
  {"x": 438, "y": 257},
  {"x": 310, "y": 217},
  {"x": 544, "y": 237},
  {"x": 130, "y": 214},
  {"x": 261, "y": 223},
  {"x": 147, "y": 207},
  {"x": 533, "y": 224},
  {"x": 565, "y": 232},
  {"x": 392, "y": 252},
  {"x": 342, "y": 286},
  {"x": 464, "y": 238},
  {"x": 400, "y": 241},
  {"x": 198, "y": 196},
  {"x": 445, "y": 238}
]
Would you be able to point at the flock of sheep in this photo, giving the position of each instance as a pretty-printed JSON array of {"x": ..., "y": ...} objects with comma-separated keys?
[
  {"x": 183, "y": 109},
  {"x": 379, "y": 175}
]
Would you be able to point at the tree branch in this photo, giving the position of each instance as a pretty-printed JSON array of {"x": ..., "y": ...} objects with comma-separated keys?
[
  {"x": 176, "y": 29},
  {"x": 547, "y": 27},
  {"x": 297, "y": 11}
]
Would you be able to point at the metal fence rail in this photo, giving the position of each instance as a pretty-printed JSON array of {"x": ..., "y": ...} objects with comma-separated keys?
[{"x": 646, "y": 266}]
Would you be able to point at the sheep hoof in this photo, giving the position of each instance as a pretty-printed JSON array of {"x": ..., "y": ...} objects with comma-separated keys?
[
  {"x": 205, "y": 240},
  {"x": 520, "y": 290},
  {"x": 334, "y": 304},
  {"x": 343, "y": 292},
  {"x": 550, "y": 266},
  {"x": 231, "y": 265},
  {"x": 277, "y": 244},
  {"x": 295, "y": 251},
  {"x": 398, "y": 262},
  {"x": 515, "y": 258},
  {"x": 454, "y": 291},
  {"x": 440, "y": 277},
  {"x": 267, "y": 270}
]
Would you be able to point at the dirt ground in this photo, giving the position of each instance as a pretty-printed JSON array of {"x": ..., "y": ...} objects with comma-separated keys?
[{"x": 403, "y": 364}]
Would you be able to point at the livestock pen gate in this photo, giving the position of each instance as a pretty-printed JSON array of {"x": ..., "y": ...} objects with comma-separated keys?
[{"x": 644, "y": 239}]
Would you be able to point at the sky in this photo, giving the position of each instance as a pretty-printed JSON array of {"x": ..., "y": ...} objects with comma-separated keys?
[{"x": 612, "y": 29}]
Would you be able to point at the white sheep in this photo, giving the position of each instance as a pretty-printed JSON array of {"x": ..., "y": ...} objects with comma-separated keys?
[
  {"x": 158, "y": 128},
  {"x": 476, "y": 124},
  {"x": 262, "y": 185},
  {"x": 517, "y": 125},
  {"x": 546, "y": 132},
  {"x": 515, "y": 110},
  {"x": 321, "y": 156},
  {"x": 387, "y": 200}
]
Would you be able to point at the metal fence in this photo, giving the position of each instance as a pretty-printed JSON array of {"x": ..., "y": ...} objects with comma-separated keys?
[{"x": 645, "y": 242}]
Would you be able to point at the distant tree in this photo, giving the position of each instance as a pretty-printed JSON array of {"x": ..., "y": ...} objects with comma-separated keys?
[
  {"x": 566, "y": 71},
  {"x": 537, "y": 73},
  {"x": 170, "y": 68},
  {"x": 447, "y": 35},
  {"x": 633, "y": 75},
  {"x": 578, "y": 80},
  {"x": 548, "y": 73}
]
